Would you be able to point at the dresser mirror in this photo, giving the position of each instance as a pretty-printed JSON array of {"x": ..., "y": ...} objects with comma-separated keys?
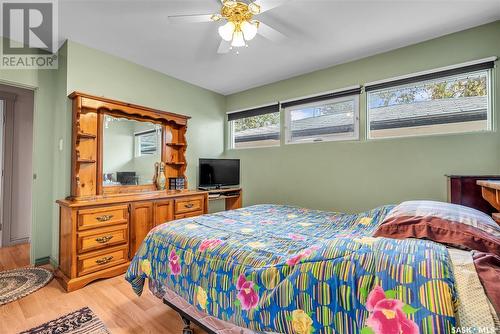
[{"x": 130, "y": 149}]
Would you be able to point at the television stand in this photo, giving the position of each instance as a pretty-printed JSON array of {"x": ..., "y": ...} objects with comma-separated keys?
[{"x": 232, "y": 196}]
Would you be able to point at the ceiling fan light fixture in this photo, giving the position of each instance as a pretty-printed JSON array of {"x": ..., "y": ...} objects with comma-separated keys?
[
  {"x": 238, "y": 40},
  {"x": 227, "y": 30},
  {"x": 249, "y": 30},
  {"x": 253, "y": 8},
  {"x": 230, "y": 3},
  {"x": 215, "y": 17}
]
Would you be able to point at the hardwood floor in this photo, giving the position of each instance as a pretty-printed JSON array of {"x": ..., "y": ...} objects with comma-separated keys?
[
  {"x": 112, "y": 300},
  {"x": 14, "y": 257}
]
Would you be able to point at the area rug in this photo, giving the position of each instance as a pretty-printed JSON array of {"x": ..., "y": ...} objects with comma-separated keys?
[
  {"x": 82, "y": 321},
  {"x": 17, "y": 283}
]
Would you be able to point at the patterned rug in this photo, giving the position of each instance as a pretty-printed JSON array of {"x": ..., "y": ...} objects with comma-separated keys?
[
  {"x": 82, "y": 321},
  {"x": 17, "y": 283}
]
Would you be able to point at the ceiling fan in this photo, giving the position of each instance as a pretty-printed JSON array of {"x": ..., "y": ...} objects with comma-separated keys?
[{"x": 240, "y": 24}]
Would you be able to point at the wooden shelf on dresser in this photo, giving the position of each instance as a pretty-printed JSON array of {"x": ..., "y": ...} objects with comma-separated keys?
[
  {"x": 86, "y": 135},
  {"x": 86, "y": 161},
  {"x": 176, "y": 144},
  {"x": 175, "y": 163},
  {"x": 100, "y": 235}
]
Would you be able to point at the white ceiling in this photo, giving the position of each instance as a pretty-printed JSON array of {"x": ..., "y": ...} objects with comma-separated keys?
[{"x": 320, "y": 34}]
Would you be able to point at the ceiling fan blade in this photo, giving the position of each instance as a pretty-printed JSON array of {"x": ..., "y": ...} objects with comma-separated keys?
[
  {"x": 224, "y": 47},
  {"x": 190, "y": 18},
  {"x": 270, "y": 33},
  {"x": 266, "y": 5}
]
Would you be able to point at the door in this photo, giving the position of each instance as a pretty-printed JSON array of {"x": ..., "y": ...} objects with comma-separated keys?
[
  {"x": 17, "y": 161},
  {"x": 141, "y": 224},
  {"x": 2, "y": 123},
  {"x": 163, "y": 212}
]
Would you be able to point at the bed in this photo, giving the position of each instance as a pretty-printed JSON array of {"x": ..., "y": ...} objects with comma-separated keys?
[{"x": 283, "y": 269}]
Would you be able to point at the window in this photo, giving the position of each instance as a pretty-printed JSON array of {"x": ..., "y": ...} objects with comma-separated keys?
[
  {"x": 146, "y": 143},
  {"x": 329, "y": 117},
  {"x": 258, "y": 127},
  {"x": 450, "y": 101}
]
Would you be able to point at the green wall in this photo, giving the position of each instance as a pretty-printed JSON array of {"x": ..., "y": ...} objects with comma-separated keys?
[
  {"x": 98, "y": 73},
  {"x": 358, "y": 175},
  {"x": 42, "y": 82},
  {"x": 94, "y": 72},
  {"x": 347, "y": 176}
]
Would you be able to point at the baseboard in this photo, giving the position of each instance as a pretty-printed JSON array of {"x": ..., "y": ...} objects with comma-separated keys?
[
  {"x": 42, "y": 261},
  {"x": 17, "y": 242}
]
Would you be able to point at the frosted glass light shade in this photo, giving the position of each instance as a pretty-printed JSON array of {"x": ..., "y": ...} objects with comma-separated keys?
[
  {"x": 249, "y": 30},
  {"x": 226, "y": 31},
  {"x": 238, "y": 40},
  {"x": 254, "y": 8},
  {"x": 230, "y": 3}
]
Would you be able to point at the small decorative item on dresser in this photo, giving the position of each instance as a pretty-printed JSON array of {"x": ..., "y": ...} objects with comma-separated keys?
[
  {"x": 161, "y": 179},
  {"x": 176, "y": 183},
  {"x": 155, "y": 175}
]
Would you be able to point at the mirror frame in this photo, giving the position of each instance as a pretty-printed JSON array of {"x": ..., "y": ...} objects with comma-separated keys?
[{"x": 87, "y": 127}]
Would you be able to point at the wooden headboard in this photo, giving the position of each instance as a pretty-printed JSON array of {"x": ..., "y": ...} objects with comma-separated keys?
[{"x": 463, "y": 190}]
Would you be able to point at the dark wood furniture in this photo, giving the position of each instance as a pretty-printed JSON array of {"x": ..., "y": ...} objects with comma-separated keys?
[
  {"x": 102, "y": 227},
  {"x": 464, "y": 190},
  {"x": 490, "y": 190}
]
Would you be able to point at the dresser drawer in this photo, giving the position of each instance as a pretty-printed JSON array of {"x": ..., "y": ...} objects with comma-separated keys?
[
  {"x": 189, "y": 214},
  {"x": 101, "y": 217},
  {"x": 95, "y": 261},
  {"x": 188, "y": 204},
  {"x": 102, "y": 238}
]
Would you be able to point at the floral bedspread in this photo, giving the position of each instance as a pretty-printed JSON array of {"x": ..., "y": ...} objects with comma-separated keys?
[{"x": 284, "y": 269}]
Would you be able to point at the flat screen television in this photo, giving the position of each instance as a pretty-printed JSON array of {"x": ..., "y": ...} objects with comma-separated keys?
[{"x": 217, "y": 173}]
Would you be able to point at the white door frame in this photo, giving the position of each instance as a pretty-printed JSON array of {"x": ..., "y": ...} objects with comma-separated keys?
[
  {"x": 2, "y": 130},
  {"x": 9, "y": 100}
]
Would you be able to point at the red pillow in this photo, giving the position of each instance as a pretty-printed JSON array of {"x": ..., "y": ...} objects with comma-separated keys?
[
  {"x": 488, "y": 270},
  {"x": 446, "y": 223}
]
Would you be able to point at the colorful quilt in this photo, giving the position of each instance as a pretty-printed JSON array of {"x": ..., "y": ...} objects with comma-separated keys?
[{"x": 284, "y": 269}]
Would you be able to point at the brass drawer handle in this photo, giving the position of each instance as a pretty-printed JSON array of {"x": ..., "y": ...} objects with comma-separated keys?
[
  {"x": 104, "y": 239},
  {"x": 104, "y": 260},
  {"x": 104, "y": 218},
  {"x": 189, "y": 206}
]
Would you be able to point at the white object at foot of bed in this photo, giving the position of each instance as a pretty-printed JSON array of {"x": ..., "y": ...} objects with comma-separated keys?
[{"x": 474, "y": 309}]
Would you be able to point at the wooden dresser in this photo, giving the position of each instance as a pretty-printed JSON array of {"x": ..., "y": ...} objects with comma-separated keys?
[
  {"x": 99, "y": 237},
  {"x": 104, "y": 221},
  {"x": 464, "y": 190},
  {"x": 490, "y": 189}
]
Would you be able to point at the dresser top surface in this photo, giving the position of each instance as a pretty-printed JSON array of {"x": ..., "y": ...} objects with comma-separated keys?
[
  {"x": 489, "y": 184},
  {"x": 132, "y": 197}
]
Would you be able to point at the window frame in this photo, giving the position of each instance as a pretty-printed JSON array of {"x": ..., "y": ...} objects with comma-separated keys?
[
  {"x": 287, "y": 123},
  {"x": 138, "y": 152},
  {"x": 490, "y": 115},
  {"x": 230, "y": 129}
]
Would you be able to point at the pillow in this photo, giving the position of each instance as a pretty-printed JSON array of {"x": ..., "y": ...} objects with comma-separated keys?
[
  {"x": 446, "y": 223},
  {"x": 488, "y": 270}
]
